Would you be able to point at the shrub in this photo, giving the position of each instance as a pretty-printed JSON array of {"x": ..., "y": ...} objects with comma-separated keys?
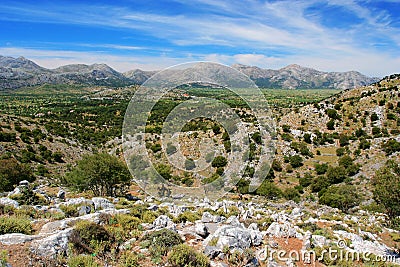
[
  {"x": 343, "y": 140},
  {"x": 296, "y": 161},
  {"x": 219, "y": 161},
  {"x": 364, "y": 144},
  {"x": 82, "y": 260},
  {"x": 374, "y": 117},
  {"x": 183, "y": 255},
  {"x": 15, "y": 224},
  {"x": 306, "y": 180},
  {"x": 276, "y": 165},
  {"x": 269, "y": 190},
  {"x": 332, "y": 114},
  {"x": 330, "y": 125},
  {"x": 342, "y": 197},
  {"x": 161, "y": 241},
  {"x": 391, "y": 146},
  {"x": 28, "y": 197},
  {"x": 187, "y": 216},
  {"x": 340, "y": 151},
  {"x": 89, "y": 237},
  {"x": 286, "y": 128},
  {"x": 128, "y": 222},
  {"x": 291, "y": 193},
  {"x": 102, "y": 174},
  {"x": 321, "y": 168},
  {"x": 319, "y": 183},
  {"x": 335, "y": 175},
  {"x": 386, "y": 188},
  {"x": 12, "y": 172},
  {"x": 164, "y": 170},
  {"x": 129, "y": 259},
  {"x": 307, "y": 138},
  {"x": 70, "y": 210}
]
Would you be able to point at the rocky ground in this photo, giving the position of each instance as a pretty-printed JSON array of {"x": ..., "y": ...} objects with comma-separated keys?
[{"x": 229, "y": 232}]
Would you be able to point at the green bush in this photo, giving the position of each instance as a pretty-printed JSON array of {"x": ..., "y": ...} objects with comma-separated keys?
[
  {"x": 269, "y": 190},
  {"x": 129, "y": 259},
  {"x": 386, "y": 188},
  {"x": 89, "y": 237},
  {"x": 82, "y": 261},
  {"x": 12, "y": 172},
  {"x": 186, "y": 216},
  {"x": 28, "y": 197},
  {"x": 291, "y": 193},
  {"x": 321, "y": 168},
  {"x": 183, "y": 255},
  {"x": 219, "y": 161},
  {"x": 296, "y": 161},
  {"x": 335, "y": 175},
  {"x": 342, "y": 197},
  {"x": 103, "y": 174},
  {"x": 15, "y": 224},
  {"x": 161, "y": 241},
  {"x": 391, "y": 146}
]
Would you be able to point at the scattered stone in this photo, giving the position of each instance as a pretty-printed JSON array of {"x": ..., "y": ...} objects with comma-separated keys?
[
  {"x": 163, "y": 221},
  {"x": 207, "y": 217},
  {"x": 102, "y": 203},
  {"x": 53, "y": 245},
  {"x": 8, "y": 202},
  {"x": 233, "y": 220},
  {"x": 153, "y": 207},
  {"x": 319, "y": 240},
  {"x": 77, "y": 201},
  {"x": 211, "y": 251},
  {"x": 201, "y": 229},
  {"x": 61, "y": 194},
  {"x": 24, "y": 183},
  {"x": 83, "y": 210},
  {"x": 16, "y": 238}
]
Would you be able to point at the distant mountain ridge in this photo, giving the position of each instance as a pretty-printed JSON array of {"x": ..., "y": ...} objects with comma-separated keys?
[
  {"x": 21, "y": 72},
  {"x": 295, "y": 76}
]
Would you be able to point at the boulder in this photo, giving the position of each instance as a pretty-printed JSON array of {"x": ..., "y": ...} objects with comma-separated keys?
[
  {"x": 24, "y": 183},
  {"x": 207, "y": 217},
  {"x": 102, "y": 203},
  {"x": 84, "y": 210},
  {"x": 319, "y": 240},
  {"x": 77, "y": 201},
  {"x": 211, "y": 251},
  {"x": 8, "y": 202},
  {"x": 61, "y": 194},
  {"x": 16, "y": 238},
  {"x": 163, "y": 221},
  {"x": 233, "y": 220},
  {"x": 52, "y": 246},
  {"x": 232, "y": 237},
  {"x": 201, "y": 229}
]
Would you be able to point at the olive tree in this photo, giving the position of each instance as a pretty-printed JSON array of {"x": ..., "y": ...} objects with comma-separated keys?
[{"x": 103, "y": 174}]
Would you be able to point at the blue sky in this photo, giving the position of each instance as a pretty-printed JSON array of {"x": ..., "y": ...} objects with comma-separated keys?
[{"x": 329, "y": 35}]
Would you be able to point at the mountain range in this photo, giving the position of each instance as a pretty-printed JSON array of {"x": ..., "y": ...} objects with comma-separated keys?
[{"x": 21, "y": 72}]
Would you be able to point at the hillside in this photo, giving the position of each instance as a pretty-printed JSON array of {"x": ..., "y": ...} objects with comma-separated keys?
[
  {"x": 317, "y": 197},
  {"x": 21, "y": 72}
]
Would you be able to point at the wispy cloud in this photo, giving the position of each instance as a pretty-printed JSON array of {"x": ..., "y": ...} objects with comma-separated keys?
[{"x": 264, "y": 33}]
